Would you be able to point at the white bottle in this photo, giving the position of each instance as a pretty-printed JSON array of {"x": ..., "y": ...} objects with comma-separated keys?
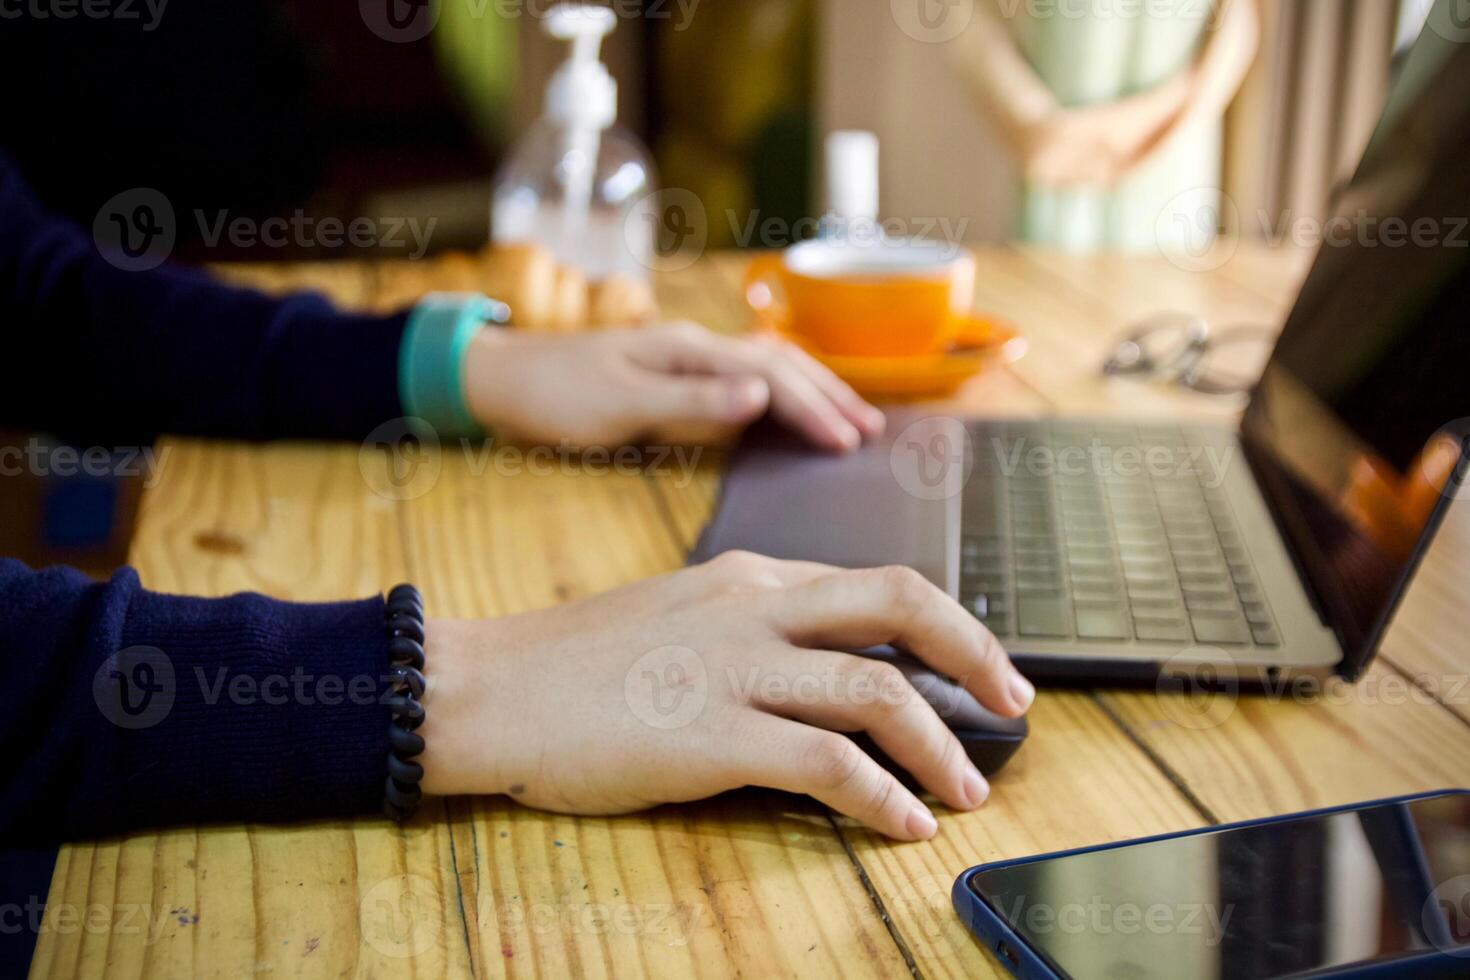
[
  {"x": 578, "y": 183},
  {"x": 852, "y": 188}
]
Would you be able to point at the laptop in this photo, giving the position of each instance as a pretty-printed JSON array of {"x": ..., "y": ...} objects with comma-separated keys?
[{"x": 1107, "y": 550}]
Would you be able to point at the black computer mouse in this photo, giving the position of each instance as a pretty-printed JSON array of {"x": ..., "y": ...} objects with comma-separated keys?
[{"x": 989, "y": 739}]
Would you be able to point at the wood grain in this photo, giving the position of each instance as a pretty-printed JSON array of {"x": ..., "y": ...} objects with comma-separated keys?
[
  {"x": 750, "y": 883},
  {"x": 292, "y": 521}
]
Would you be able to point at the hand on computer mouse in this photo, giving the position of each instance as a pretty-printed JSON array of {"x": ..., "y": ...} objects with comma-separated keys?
[
  {"x": 711, "y": 678},
  {"x": 675, "y": 382}
]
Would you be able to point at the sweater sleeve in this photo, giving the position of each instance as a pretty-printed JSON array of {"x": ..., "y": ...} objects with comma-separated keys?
[
  {"x": 114, "y": 355},
  {"x": 132, "y": 708}
]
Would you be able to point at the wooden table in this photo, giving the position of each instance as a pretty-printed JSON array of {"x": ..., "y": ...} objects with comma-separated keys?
[{"x": 752, "y": 883}]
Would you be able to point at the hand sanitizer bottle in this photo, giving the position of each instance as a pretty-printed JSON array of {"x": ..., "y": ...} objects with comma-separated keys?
[
  {"x": 578, "y": 183},
  {"x": 852, "y": 188}
]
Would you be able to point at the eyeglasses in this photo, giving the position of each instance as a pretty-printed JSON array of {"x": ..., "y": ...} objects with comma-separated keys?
[{"x": 1182, "y": 349}]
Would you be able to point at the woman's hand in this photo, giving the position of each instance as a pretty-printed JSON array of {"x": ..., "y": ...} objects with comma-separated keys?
[
  {"x": 674, "y": 382},
  {"x": 1100, "y": 145},
  {"x": 711, "y": 678}
]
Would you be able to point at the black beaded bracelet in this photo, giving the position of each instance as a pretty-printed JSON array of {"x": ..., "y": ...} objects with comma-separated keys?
[{"x": 404, "y": 613}]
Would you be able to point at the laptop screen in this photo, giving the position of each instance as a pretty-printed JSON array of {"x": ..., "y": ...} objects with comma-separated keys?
[{"x": 1356, "y": 430}]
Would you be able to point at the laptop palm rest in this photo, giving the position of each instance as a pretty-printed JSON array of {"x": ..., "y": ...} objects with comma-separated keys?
[{"x": 783, "y": 500}]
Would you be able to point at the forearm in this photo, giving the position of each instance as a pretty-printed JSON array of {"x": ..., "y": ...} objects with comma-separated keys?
[
  {"x": 132, "y": 708},
  {"x": 1010, "y": 92},
  {"x": 1226, "y": 59},
  {"x": 110, "y": 354}
]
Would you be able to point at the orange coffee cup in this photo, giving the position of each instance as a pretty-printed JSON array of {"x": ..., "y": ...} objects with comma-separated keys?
[{"x": 894, "y": 299}]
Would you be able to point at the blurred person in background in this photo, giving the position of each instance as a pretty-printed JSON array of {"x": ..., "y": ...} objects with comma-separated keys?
[{"x": 1115, "y": 110}]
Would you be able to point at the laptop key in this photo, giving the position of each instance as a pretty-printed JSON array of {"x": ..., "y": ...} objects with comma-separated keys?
[
  {"x": 1256, "y": 614},
  {"x": 1198, "y": 562},
  {"x": 1212, "y": 629},
  {"x": 1101, "y": 623},
  {"x": 1266, "y": 636},
  {"x": 1169, "y": 602},
  {"x": 1155, "y": 631},
  {"x": 1037, "y": 616},
  {"x": 1202, "y": 602}
]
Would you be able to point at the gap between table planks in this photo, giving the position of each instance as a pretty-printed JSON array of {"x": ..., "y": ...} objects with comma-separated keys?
[{"x": 748, "y": 882}]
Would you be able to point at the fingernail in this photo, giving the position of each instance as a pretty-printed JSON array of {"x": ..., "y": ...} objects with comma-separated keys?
[
  {"x": 921, "y": 824},
  {"x": 977, "y": 790},
  {"x": 1022, "y": 692},
  {"x": 747, "y": 395},
  {"x": 849, "y": 437}
]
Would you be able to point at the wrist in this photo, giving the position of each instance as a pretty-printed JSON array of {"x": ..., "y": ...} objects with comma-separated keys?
[
  {"x": 433, "y": 354},
  {"x": 461, "y": 745},
  {"x": 486, "y": 387}
]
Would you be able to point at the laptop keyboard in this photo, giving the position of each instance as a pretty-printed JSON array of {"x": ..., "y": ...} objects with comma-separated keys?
[{"x": 1105, "y": 533}]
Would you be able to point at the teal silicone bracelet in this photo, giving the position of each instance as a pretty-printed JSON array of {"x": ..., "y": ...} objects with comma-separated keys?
[{"x": 431, "y": 359}]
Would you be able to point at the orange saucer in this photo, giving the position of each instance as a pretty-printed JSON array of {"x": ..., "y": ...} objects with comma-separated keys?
[{"x": 982, "y": 343}]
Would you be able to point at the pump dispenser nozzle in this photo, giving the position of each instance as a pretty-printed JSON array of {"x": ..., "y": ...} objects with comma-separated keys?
[
  {"x": 582, "y": 92},
  {"x": 577, "y": 182}
]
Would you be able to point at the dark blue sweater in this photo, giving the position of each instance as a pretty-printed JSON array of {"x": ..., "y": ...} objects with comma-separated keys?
[{"x": 128, "y": 707}]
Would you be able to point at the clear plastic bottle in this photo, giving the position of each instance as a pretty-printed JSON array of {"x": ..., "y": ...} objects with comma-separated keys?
[{"x": 578, "y": 183}]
